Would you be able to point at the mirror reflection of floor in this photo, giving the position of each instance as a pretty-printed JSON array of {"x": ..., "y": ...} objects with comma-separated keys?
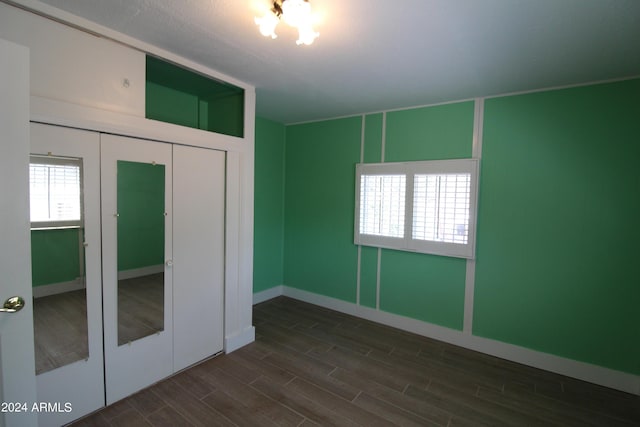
[
  {"x": 140, "y": 307},
  {"x": 60, "y": 321},
  {"x": 60, "y": 328}
]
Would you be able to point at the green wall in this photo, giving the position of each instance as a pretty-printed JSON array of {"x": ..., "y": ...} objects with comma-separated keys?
[
  {"x": 320, "y": 256},
  {"x": 557, "y": 244},
  {"x": 268, "y": 261},
  {"x": 183, "y": 97},
  {"x": 420, "y": 286},
  {"x": 55, "y": 256},
  {"x": 141, "y": 218}
]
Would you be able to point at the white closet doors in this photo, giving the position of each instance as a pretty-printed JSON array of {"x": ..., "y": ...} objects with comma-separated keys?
[
  {"x": 137, "y": 259},
  {"x": 69, "y": 321},
  {"x": 186, "y": 324},
  {"x": 198, "y": 247}
]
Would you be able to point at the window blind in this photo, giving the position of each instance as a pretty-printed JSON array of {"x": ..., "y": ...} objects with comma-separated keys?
[
  {"x": 441, "y": 207},
  {"x": 382, "y": 199},
  {"x": 54, "y": 192}
]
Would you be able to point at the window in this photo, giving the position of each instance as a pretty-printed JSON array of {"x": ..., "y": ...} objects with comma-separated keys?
[
  {"x": 383, "y": 199},
  {"x": 54, "y": 192},
  {"x": 424, "y": 207}
]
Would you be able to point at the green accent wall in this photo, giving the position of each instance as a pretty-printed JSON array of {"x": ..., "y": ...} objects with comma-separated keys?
[
  {"x": 319, "y": 253},
  {"x": 372, "y": 150},
  {"x": 55, "y": 256},
  {"x": 430, "y": 133},
  {"x": 183, "y": 97},
  {"x": 268, "y": 245},
  {"x": 559, "y": 194},
  {"x": 557, "y": 241},
  {"x": 368, "y": 276},
  {"x": 421, "y": 286},
  {"x": 172, "y": 106},
  {"x": 141, "y": 218}
]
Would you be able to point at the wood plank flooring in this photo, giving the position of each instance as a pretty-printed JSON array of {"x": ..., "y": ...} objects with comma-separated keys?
[
  {"x": 60, "y": 329},
  {"x": 140, "y": 307},
  {"x": 312, "y": 366},
  {"x": 60, "y": 321}
]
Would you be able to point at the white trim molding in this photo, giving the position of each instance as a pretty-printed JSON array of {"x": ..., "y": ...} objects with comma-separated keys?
[
  {"x": 58, "y": 288},
  {"x": 470, "y": 272},
  {"x": 606, "y": 377},
  {"x": 139, "y": 272},
  {"x": 268, "y": 294},
  {"x": 240, "y": 339}
]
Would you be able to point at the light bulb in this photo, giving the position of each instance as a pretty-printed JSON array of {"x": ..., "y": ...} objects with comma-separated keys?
[
  {"x": 306, "y": 35},
  {"x": 296, "y": 12},
  {"x": 268, "y": 25}
]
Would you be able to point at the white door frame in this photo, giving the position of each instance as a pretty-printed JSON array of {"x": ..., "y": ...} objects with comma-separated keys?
[{"x": 17, "y": 361}]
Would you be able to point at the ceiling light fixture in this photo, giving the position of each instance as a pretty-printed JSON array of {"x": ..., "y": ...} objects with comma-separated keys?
[{"x": 296, "y": 13}]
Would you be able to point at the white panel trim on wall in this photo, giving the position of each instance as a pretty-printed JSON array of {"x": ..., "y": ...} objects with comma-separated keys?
[
  {"x": 606, "y": 377},
  {"x": 363, "y": 126},
  {"x": 470, "y": 271},
  {"x": 469, "y": 293}
]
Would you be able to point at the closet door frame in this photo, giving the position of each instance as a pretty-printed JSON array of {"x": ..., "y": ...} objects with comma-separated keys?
[{"x": 136, "y": 365}]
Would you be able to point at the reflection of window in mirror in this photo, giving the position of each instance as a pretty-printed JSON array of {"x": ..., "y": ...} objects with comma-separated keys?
[
  {"x": 55, "y": 195},
  {"x": 57, "y": 261}
]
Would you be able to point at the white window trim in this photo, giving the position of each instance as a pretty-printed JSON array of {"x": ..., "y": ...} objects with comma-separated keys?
[
  {"x": 410, "y": 169},
  {"x": 63, "y": 161}
]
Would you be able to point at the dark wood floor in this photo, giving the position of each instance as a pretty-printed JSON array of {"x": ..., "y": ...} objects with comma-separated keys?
[
  {"x": 140, "y": 307},
  {"x": 312, "y": 366},
  {"x": 60, "y": 321},
  {"x": 60, "y": 329}
]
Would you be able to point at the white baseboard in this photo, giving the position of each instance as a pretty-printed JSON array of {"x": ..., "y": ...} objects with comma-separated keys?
[
  {"x": 139, "y": 272},
  {"x": 57, "y": 288},
  {"x": 606, "y": 377},
  {"x": 268, "y": 294},
  {"x": 238, "y": 340}
]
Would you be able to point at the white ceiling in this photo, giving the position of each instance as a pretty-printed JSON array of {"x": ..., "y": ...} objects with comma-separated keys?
[{"x": 375, "y": 55}]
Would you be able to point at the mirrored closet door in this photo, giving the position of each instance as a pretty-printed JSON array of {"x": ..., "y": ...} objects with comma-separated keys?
[
  {"x": 163, "y": 218},
  {"x": 64, "y": 181},
  {"x": 128, "y": 253},
  {"x": 137, "y": 262}
]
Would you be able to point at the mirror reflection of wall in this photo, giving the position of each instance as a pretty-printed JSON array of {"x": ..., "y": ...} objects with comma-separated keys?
[
  {"x": 141, "y": 222},
  {"x": 57, "y": 261}
]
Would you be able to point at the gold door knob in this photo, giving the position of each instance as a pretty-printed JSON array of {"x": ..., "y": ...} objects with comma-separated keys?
[{"x": 12, "y": 305}]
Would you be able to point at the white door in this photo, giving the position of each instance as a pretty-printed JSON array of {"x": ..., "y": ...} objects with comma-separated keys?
[
  {"x": 65, "y": 241},
  {"x": 137, "y": 261},
  {"x": 198, "y": 254},
  {"x": 17, "y": 376}
]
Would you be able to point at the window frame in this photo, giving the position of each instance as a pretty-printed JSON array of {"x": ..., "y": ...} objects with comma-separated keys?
[
  {"x": 58, "y": 161},
  {"x": 410, "y": 170}
]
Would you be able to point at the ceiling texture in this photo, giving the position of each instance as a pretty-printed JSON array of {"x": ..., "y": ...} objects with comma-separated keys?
[{"x": 376, "y": 55}]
